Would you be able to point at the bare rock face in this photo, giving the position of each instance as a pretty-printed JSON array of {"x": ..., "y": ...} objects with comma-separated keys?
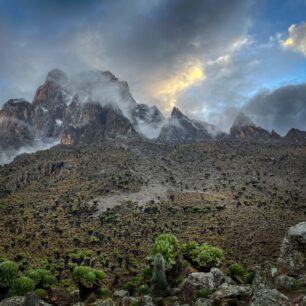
[
  {"x": 180, "y": 128},
  {"x": 292, "y": 259},
  {"x": 96, "y": 124},
  {"x": 16, "y": 124},
  {"x": 295, "y": 136},
  {"x": 244, "y": 129},
  {"x": 49, "y": 104}
]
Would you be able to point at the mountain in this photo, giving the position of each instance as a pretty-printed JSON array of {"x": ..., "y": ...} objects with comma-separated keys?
[
  {"x": 295, "y": 136},
  {"x": 95, "y": 106},
  {"x": 244, "y": 128},
  {"x": 179, "y": 128},
  {"x": 16, "y": 127}
]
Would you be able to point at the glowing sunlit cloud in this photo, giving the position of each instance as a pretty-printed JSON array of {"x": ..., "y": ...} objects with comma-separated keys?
[
  {"x": 168, "y": 90},
  {"x": 296, "y": 39}
]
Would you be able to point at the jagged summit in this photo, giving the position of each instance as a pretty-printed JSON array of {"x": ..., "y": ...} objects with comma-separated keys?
[
  {"x": 176, "y": 113},
  {"x": 242, "y": 120},
  {"x": 56, "y": 77}
]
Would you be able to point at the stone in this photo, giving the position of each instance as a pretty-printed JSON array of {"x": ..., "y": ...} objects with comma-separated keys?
[
  {"x": 200, "y": 280},
  {"x": 120, "y": 294},
  {"x": 20, "y": 301},
  {"x": 107, "y": 302},
  {"x": 129, "y": 300},
  {"x": 203, "y": 302},
  {"x": 293, "y": 250},
  {"x": 231, "y": 295},
  {"x": 284, "y": 282},
  {"x": 269, "y": 297},
  {"x": 146, "y": 300}
]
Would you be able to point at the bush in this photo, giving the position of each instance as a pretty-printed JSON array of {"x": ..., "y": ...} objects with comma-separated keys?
[
  {"x": 143, "y": 290},
  {"x": 189, "y": 247},
  {"x": 202, "y": 293},
  {"x": 237, "y": 271},
  {"x": 207, "y": 256},
  {"x": 42, "y": 278},
  {"x": 88, "y": 276},
  {"x": 88, "y": 280},
  {"x": 167, "y": 246},
  {"x": 21, "y": 286},
  {"x": 104, "y": 293},
  {"x": 41, "y": 293},
  {"x": 8, "y": 273},
  {"x": 132, "y": 285},
  {"x": 159, "y": 284}
]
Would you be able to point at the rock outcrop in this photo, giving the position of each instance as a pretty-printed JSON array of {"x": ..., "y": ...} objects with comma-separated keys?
[
  {"x": 244, "y": 129},
  {"x": 292, "y": 259},
  {"x": 180, "y": 128}
]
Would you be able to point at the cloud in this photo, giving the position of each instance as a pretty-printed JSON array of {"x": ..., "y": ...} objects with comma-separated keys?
[
  {"x": 296, "y": 39},
  {"x": 281, "y": 109},
  {"x": 168, "y": 90},
  {"x": 143, "y": 42}
]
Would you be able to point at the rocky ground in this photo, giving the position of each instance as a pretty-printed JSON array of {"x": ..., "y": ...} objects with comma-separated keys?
[{"x": 112, "y": 200}]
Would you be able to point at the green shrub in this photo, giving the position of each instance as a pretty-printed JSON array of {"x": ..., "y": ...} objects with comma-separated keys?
[
  {"x": 88, "y": 276},
  {"x": 132, "y": 285},
  {"x": 42, "y": 278},
  {"x": 167, "y": 246},
  {"x": 41, "y": 293},
  {"x": 8, "y": 273},
  {"x": 143, "y": 290},
  {"x": 202, "y": 293},
  {"x": 189, "y": 247},
  {"x": 237, "y": 271},
  {"x": 104, "y": 293},
  {"x": 159, "y": 284},
  {"x": 207, "y": 256},
  {"x": 21, "y": 286}
]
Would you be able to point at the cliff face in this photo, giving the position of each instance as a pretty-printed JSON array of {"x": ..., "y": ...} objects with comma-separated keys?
[
  {"x": 180, "y": 128},
  {"x": 16, "y": 127}
]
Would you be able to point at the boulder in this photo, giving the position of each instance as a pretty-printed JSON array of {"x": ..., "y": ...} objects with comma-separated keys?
[
  {"x": 108, "y": 302},
  {"x": 120, "y": 294},
  {"x": 203, "y": 302},
  {"x": 284, "y": 282},
  {"x": 146, "y": 300},
  {"x": 293, "y": 251},
  {"x": 269, "y": 297},
  {"x": 28, "y": 300},
  {"x": 231, "y": 295},
  {"x": 200, "y": 280},
  {"x": 129, "y": 300}
]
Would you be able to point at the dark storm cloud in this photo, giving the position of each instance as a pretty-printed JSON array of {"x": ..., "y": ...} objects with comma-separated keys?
[
  {"x": 142, "y": 41},
  {"x": 281, "y": 109}
]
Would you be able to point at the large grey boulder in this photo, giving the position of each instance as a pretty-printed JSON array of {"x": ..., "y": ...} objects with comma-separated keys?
[
  {"x": 293, "y": 251},
  {"x": 203, "y": 302},
  {"x": 23, "y": 301},
  {"x": 269, "y": 297},
  {"x": 200, "y": 280},
  {"x": 231, "y": 295},
  {"x": 107, "y": 302},
  {"x": 146, "y": 300}
]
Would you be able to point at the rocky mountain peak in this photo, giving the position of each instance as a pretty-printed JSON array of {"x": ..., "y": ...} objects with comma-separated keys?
[
  {"x": 242, "y": 120},
  {"x": 176, "y": 113},
  {"x": 56, "y": 77}
]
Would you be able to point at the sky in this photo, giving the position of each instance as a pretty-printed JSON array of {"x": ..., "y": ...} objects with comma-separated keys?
[{"x": 210, "y": 58}]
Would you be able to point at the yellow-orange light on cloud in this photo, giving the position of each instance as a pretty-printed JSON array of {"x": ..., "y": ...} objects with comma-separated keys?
[{"x": 168, "y": 90}]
